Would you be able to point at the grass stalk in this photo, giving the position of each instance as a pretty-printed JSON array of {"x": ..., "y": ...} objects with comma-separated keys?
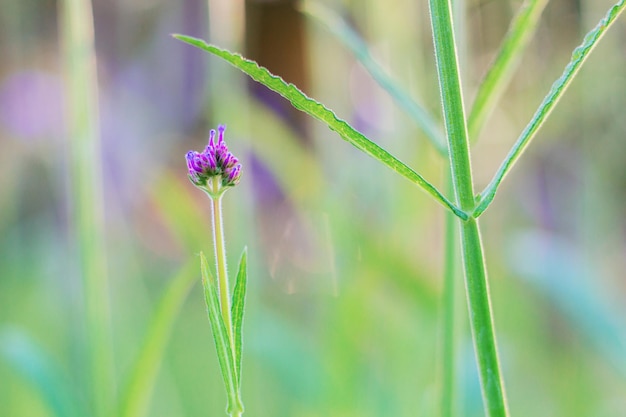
[
  {"x": 481, "y": 317},
  {"x": 81, "y": 91}
]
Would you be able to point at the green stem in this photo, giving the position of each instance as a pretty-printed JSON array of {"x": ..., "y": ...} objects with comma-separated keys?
[
  {"x": 473, "y": 258},
  {"x": 220, "y": 256},
  {"x": 481, "y": 320}
]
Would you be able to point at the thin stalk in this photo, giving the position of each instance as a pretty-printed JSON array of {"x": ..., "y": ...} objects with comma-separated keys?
[
  {"x": 448, "y": 338},
  {"x": 220, "y": 256},
  {"x": 500, "y": 72},
  {"x": 79, "y": 58},
  {"x": 473, "y": 258}
]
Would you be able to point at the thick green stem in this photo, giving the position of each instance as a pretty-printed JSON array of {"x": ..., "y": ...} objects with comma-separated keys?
[
  {"x": 473, "y": 260},
  {"x": 481, "y": 320},
  {"x": 220, "y": 256}
]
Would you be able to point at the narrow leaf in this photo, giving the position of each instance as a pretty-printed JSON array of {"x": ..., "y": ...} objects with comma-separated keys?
[
  {"x": 351, "y": 40},
  {"x": 579, "y": 56},
  {"x": 317, "y": 110},
  {"x": 136, "y": 393},
  {"x": 238, "y": 305},
  {"x": 491, "y": 88},
  {"x": 220, "y": 335}
]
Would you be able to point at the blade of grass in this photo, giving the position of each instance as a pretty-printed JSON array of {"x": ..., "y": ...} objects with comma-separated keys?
[
  {"x": 136, "y": 394},
  {"x": 81, "y": 90},
  {"x": 222, "y": 341},
  {"x": 317, "y": 110},
  {"x": 481, "y": 316},
  {"x": 580, "y": 54},
  {"x": 351, "y": 40},
  {"x": 238, "y": 306},
  {"x": 500, "y": 72}
]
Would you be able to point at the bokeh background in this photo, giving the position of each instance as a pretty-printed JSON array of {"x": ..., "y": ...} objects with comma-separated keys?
[{"x": 343, "y": 314}]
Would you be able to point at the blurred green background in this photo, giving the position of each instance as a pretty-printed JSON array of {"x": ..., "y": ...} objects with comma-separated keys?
[{"x": 343, "y": 314}]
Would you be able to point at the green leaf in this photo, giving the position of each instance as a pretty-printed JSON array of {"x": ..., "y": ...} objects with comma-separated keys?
[
  {"x": 136, "y": 393},
  {"x": 238, "y": 305},
  {"x": 559, "y": 87},
  {"x": 315, "y": 109},
  {"x": 492, "y": 86},
  {"x": 220, "y": 336},
  {"x": 348, "y": 36}
]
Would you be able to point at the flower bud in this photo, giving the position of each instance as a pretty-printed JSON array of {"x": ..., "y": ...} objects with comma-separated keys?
[{"x": 216, "y": 160}]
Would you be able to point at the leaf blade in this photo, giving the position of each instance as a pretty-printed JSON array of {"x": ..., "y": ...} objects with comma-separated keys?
[
  {"x": 579, "y": 56},
  {"x": 238, "y": 307},
  {"x": 317, "y": 110},
  {"x": 220, "y": 336}
]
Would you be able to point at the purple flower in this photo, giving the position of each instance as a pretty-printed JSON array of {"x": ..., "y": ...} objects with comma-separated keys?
[{"x": 214, "y": 161}]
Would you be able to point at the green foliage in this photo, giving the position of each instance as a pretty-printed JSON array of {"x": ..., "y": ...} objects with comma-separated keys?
[
  {"x": 458, "y": 143},
  {"x": 222, "y": 341},
  {"x": 557, "y": 90},
  {"x": 315, "y": 109},
  {"x": 238, "y": 306},
  {"x": 480, "y": 312},
  {"x": 331, "y": 311}
]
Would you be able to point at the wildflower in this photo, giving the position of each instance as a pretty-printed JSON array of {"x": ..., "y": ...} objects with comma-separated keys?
[{"x": 216, "y": 168}]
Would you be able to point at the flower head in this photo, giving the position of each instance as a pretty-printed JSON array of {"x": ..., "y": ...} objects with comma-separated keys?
[{"x": 214, "y": 163}]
